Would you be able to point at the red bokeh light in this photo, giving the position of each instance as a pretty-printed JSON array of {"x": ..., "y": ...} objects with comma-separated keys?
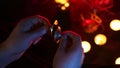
[{"x": 90, "y": 25}]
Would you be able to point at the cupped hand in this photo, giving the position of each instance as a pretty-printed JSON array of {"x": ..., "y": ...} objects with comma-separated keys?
[
  {"x": 28, "y": 31},
  {"x": 70, "y": 52}
]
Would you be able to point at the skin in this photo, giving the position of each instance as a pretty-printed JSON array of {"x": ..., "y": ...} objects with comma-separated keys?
[
  {"x": 30, "y": 31},
  {"x": 21, "y": 38},
  {"x": 69, "y": 55}
]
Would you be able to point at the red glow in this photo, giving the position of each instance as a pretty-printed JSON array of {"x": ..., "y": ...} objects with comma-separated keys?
[
  {"x": 90, "y": 25},
  {"x": 103, "y": 4},
  {"x": 87, "y": 22}
]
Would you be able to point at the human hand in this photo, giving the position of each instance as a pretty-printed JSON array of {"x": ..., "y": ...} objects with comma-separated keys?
[
  {"x": 27, "y": 31},
  {"x": 70, "y": 53}
]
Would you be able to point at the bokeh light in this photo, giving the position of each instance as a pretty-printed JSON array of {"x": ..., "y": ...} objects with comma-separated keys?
[
  {"x": 56, "y": 22},
  {"x": 63, "y": 4},
  {"x": 66, "y": 4},
  {"x": 100, "y": 39},
  {"x": 117, "y": 61},
  {"x": 63, "y": 8},
  {"x": 61, "y": 1},
  {"x": 86, "y": 46},
  {"x": 115, "y": 25}
]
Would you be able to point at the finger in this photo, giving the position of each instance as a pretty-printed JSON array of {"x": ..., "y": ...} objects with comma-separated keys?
[
  {"x": 63, "y": 42},
  {"x": 74, "y": 36},
  {"x": 45, "y": 21},
  {"x": 76, "y": 41},
  {"x": 30, "y": 22},
  {"x": 37, "y": 33},
  {"x": 27, "y": 23},
  {"x": 35, "y": 26}
]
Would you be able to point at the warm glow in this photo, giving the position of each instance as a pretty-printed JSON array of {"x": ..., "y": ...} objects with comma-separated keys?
[
  {"x": 115, "y": 25},
  {"x": 66, "y": 4},
  {"x": 56, "y": 22},
  {"x": 100, "y": 39},
  {"x": 86, "y": 46},
  {"x": 59, "y": 28},
  {"x": 117, "y": 61},
  {"x": 61, "y": 1},
  {"x": 57, "y": 1},
  {"x": 63, "y": 8}
]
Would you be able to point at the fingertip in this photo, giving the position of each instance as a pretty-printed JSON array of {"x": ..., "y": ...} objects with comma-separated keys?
[
  {"x": 74, "y": 38},
  {"x": 71, "y": 34},
  {"x": 44, "y": 20}
]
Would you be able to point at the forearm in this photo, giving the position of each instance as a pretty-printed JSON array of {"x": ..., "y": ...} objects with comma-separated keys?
[{"x": 7, "y": 55}]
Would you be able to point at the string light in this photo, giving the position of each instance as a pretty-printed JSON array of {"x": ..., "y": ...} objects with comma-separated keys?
[
  {"x": 63, "y": 4},
  {"x": 61, "y": 1},
  {"x": 86, "y": 46}
]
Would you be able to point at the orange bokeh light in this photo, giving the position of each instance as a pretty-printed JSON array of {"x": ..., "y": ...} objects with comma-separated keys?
[{"x": 63, "y": 8}]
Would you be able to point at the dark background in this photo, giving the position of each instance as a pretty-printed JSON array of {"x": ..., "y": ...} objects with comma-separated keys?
[{"x": 41, "y": 55}]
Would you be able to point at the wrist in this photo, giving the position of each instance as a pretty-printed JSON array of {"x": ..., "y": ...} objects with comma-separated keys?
[{"x": 6, "y": 55}]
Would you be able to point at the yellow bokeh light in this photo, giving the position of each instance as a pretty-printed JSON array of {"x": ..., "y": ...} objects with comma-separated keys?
[
  {"x": 115, "y": 25},
  {"x": 61, "y": 1},
  {"x": 86, "y": 46},
  {"x": 63, "y": 8},
  {"x": 57, "y": 1},
  {"x": 100, "y": 39},
  {"x": 66, "y": 4},
  {"x": 117, "y": 61}
]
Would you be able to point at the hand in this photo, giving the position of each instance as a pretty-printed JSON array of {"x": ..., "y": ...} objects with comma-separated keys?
[
  {"x": 70, "y": 53},
  {"x": 27, "y": 31}
]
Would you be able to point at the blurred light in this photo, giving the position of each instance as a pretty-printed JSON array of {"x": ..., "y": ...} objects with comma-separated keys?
[
  {"x": 59, "y": 28},
  {"x": 115, "y": 25},
  {"x": 90, "y": 25},
  {"x": 57, "y": 1},
  {"x": 86, "y": 46},
  {"x": 117, "y": 61},
  {"x": 63, "y": 8},
  {"x": 61, "y": 1},
  {"x": 100, "y": 39},
  {"x": 56, "y": 22},
  {"x": 66, "y": 4}
]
